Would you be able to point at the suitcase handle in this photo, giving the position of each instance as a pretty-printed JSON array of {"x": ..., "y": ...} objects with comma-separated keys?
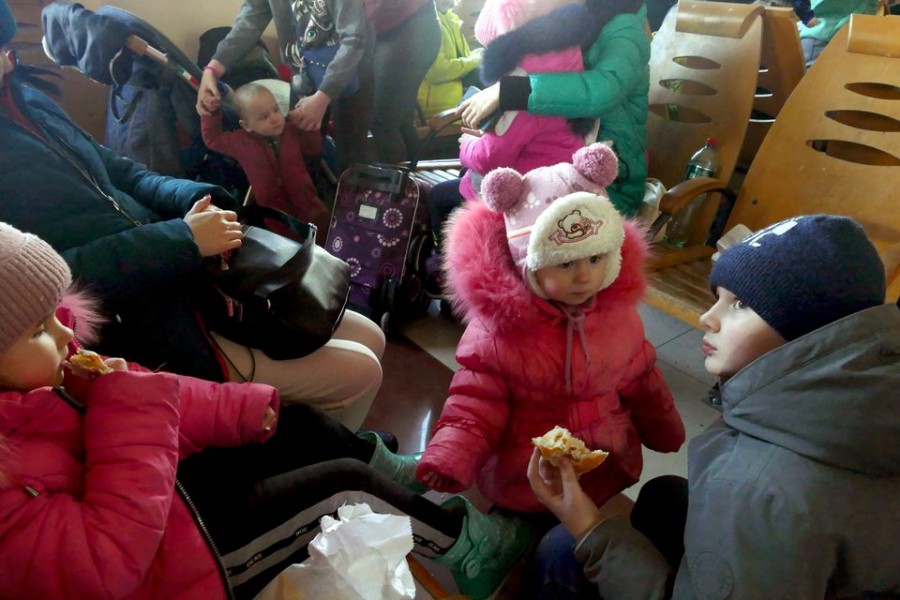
[{"x": 380, "y": 178}]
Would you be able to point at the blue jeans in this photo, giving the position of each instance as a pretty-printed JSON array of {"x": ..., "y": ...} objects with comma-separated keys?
[{"x": 560, "y": 575}]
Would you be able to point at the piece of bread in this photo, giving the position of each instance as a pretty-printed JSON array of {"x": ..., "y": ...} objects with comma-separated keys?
[
  {"x": 89, "y": 362},
  {"x": 558, "y": 443}
]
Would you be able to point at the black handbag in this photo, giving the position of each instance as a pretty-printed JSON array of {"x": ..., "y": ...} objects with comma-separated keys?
[{"x": 279, "y": 295}]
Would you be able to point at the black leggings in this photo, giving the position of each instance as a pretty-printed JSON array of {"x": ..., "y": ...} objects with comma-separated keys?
[
  {"x": 660, "y": 514},
  {"x": 262, "y": 503}
]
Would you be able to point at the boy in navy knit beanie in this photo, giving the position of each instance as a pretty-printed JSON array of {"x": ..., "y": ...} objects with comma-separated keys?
[
  {"x": 796, "y": 277},
  {"x": 783, "y": 488}
]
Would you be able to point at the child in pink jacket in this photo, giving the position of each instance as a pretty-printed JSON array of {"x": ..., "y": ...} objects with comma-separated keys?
[
  {"x": 547, "y": 276},
  {"x": 516, "y": 46},
  {"x": 106, "y": 494}
]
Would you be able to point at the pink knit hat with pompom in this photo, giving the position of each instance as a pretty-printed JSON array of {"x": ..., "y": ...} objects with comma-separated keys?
[
  {"x": 560, "y": 213},
  {"x": 33, "y": 279}
]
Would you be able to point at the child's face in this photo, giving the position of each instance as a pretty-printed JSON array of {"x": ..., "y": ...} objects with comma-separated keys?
[
  {"x": 262, "y": 115},
  {"x": 735, "y": 335},
  {"x": 35, "y": 359},
  {"x": 573, "y": 282}
]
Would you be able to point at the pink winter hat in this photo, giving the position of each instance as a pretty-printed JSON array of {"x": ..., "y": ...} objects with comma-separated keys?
[
  {"x": 33, "y": 279},
  {"x": 560, "y": 213}
]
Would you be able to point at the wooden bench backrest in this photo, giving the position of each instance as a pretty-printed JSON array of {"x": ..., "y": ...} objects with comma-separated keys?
[
  {"x": 781, "y": 67},
  {"x": 847, "y": 106},
  {"x": 703, "y": 71}
]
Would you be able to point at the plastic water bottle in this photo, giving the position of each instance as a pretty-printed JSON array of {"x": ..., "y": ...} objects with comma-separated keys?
[{"x": 704, "y": 163}]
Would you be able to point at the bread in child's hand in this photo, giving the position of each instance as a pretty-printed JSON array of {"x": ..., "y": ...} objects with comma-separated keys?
[
  {"x": 88, "y": 362},
  {"x": 558, "y": 443}
]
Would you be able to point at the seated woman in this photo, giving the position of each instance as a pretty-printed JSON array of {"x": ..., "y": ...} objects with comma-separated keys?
[{"x": 140, "y": 241}]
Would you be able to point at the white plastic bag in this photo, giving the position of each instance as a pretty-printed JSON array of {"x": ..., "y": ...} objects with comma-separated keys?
[{"x": 360, "y": 555}]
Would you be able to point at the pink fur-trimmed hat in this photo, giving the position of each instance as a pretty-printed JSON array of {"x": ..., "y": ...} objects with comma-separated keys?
[{"x": 560, "y": 213}]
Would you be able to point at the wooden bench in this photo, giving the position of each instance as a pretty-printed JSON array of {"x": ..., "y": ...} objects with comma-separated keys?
[
  {"x": 703, "y": 68},
  {"x": 834, "y": 149},
  {"x": 781, "y": 67}
]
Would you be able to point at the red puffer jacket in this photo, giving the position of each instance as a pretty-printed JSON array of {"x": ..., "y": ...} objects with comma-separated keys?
[
  {"x": 88, "y": 504},
  {"x": 517, "y": 383}
]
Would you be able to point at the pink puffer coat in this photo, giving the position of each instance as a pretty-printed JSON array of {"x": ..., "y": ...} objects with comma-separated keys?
[
  {"x": 516, "y": 382},
  {"x": 88, "y": 505}
]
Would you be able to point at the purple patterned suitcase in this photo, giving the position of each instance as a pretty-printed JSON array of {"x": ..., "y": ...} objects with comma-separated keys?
[{"x": 380, "y": 227}]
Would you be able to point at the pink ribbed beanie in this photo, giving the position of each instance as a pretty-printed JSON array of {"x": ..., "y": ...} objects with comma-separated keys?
[{"x": 33, "y": 279}]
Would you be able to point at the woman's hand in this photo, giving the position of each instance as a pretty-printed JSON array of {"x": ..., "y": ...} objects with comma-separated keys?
[
  {"x": 558, "y": 489},
  {"x": 208, "y": 98},
  {"x": 308, "y": 113},
  {"x": 477, "y": 108},
  {"x": 215, "y": 230}
]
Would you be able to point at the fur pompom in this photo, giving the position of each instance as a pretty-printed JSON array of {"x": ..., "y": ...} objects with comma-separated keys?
[
  {"x": 598, "y": 163},
  {"x": 501, "y": 188}
]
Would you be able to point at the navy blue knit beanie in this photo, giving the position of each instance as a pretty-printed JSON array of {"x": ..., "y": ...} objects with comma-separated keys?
[
  {"x": 803, "y": 273},
  {"x": 7, "y": 23}
]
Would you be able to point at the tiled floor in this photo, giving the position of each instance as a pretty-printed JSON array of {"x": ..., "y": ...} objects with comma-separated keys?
[{"x": 678, "y": 349}]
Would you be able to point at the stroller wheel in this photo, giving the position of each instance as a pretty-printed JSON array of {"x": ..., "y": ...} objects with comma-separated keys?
[{"x": 385, "y": 322}]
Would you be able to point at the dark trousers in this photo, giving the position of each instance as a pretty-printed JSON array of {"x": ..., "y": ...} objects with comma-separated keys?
[
  {"x": 261, "y": 503},
  {"x": 445, "y": 197},
  {"x": 659, "y": 513}
]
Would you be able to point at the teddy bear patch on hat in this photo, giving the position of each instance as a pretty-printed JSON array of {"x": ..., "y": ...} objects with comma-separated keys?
[{"x": 560, "y": 213}]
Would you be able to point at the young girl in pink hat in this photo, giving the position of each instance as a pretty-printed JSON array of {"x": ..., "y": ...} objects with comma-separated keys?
[{"x": 548, "y": 275}]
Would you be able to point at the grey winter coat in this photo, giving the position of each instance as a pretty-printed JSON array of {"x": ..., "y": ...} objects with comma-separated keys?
[{"x": 795, "y": 493}]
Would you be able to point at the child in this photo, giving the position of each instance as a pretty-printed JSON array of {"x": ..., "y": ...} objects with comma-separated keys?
[
  {"x": 90, "y": 505},
  {"x": 553, "y": 335},
  {"x": 521, "y": 140},
  {"x": 272, "y": 152},
  {"x": 784, "y": 491},
  {"x": 454, "y": 69}
]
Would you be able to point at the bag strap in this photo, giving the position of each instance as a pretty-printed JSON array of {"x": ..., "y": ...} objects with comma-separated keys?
[{"x": 258, "y": 215}]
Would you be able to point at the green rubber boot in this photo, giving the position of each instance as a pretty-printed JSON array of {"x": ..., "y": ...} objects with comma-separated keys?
[
  {"x": 398, "y": 467},
  {"x": 488, "y": 548}
]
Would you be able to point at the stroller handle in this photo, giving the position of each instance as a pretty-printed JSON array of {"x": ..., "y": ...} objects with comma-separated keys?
[{"x": 142, "y": 47}]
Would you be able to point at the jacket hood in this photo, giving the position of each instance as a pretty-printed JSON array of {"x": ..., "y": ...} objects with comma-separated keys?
[
  {"x": 565, "y": 27},
  {"x": 830, "y": 395},
  {"x": 483, "y": 282}
]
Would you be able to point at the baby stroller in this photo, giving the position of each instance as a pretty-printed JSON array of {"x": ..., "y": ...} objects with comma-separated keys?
[{"x": 150, "y": 112}]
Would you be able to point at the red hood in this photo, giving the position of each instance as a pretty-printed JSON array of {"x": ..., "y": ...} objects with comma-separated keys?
[{"x": 483, "y": 282}]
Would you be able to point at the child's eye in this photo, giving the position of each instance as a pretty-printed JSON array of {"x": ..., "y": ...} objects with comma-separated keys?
[
  {"x": 41, "y": 330},
  {"x": 739, "y": 304},
  {"x": 596, "y": 259},
  {"x": 566, "y": 265}
]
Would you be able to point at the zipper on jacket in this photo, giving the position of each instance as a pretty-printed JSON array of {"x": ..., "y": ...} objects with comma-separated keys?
[
  {"x": 208, "y": 536},
  {"x": 87, "y": 176}
]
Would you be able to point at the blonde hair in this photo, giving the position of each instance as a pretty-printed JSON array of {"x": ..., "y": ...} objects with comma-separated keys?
[{"x": 245, "y": 94}]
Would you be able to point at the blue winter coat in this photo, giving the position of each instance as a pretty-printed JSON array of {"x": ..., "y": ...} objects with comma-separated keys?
[{"x": 119, "y": 228}]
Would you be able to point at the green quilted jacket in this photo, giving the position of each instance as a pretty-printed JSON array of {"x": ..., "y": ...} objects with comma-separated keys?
[{"x": 613, "y": 88}]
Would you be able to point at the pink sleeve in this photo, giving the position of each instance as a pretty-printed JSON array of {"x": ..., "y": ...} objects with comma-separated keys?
[
  {"x": 650, "y": 402},
  {"x": 102, "y": 542},
  {"x": 223, "y": 414},
  {"x": 471, "y": 423}
]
